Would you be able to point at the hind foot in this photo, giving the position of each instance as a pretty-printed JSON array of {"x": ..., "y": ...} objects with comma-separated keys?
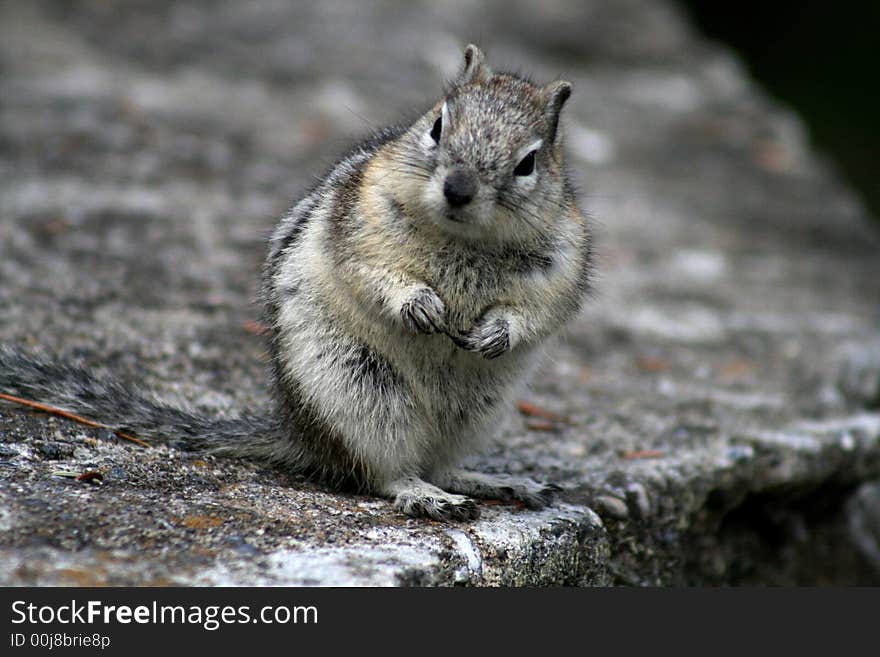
[
  {"x": 533, "y": 494},
  {"x": 420, "y": 499}
]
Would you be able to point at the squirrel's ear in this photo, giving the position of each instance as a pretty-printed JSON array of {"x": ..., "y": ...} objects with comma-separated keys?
[
  {"x": 554, "y": 94},
  {"x": 474, "y": 68}
]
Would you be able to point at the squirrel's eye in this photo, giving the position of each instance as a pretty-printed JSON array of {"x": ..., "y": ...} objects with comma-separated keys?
[
  {"x": 437, "y": 129},
  {"x": 526, "y": 165}
]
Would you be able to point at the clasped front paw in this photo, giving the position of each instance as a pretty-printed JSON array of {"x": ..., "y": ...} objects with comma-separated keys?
[
  {"x": 424, "y": 312},
  {"x": 490, "y": 337}
]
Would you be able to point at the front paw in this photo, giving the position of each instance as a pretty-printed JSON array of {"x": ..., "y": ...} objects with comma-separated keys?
[
  {"x": 490, "y": 337},
  {"x": 424, "y": 312}
]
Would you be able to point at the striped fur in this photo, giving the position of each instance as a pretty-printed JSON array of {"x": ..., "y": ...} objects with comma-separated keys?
[{"x": 406, "y": 327}]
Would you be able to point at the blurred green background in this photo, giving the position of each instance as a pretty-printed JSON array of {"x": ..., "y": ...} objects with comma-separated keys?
[{"x": 821, "y": 58}]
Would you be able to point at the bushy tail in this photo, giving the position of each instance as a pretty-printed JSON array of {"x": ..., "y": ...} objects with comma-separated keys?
[{"x": 124, "y": 409}]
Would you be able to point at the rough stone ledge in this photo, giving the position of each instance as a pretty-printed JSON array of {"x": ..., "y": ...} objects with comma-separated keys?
[{"x": 658, "y": 519}]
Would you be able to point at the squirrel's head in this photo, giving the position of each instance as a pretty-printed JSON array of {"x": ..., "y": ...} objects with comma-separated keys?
[{"x": 486, "y": 161}]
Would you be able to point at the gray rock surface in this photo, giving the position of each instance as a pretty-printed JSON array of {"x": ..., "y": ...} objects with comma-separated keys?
[{"x": 720, "y": 394}]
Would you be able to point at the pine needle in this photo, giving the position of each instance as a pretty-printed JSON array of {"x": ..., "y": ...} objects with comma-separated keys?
[{"x": 70, "y": 416}]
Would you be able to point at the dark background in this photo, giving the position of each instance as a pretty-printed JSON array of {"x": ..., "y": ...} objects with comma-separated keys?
[{"x": 821, "y": 58}]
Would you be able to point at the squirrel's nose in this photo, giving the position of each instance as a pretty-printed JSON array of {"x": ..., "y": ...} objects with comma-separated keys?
[{"x": 460, "y": 187}]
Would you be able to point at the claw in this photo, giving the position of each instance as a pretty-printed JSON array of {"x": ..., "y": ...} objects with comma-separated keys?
[
  {"x": 423, "y": 313},
  {"x": 443, "y": 509},
  {"x": 489, "y": 339}
]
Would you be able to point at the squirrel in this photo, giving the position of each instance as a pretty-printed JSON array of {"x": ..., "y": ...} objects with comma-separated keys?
[{"x": 407, "y": 296}]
